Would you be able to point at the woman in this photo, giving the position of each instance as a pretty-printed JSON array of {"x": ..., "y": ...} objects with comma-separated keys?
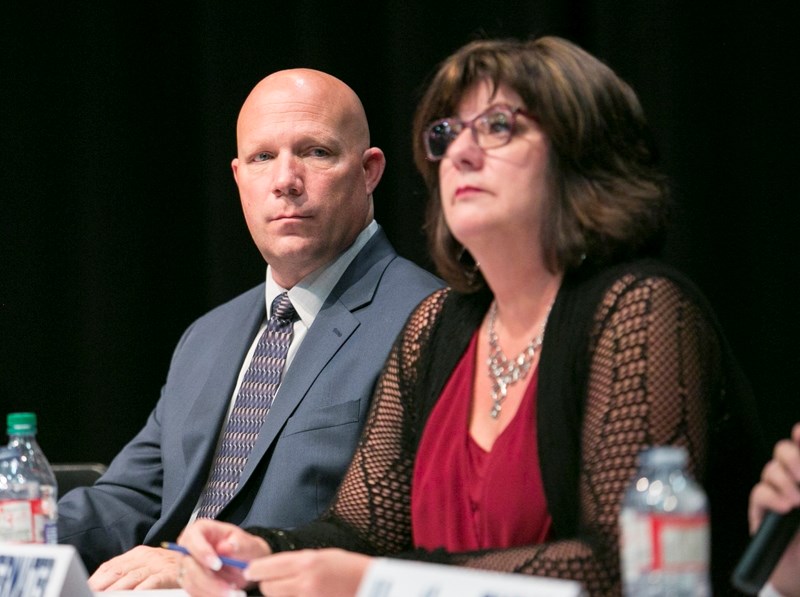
[
  {"x": 779, "y": 491},
  {"x": 508, "y": 418}
]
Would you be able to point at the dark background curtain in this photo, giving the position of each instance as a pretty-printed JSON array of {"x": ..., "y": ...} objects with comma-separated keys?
[{"x": 120, "y": 217}]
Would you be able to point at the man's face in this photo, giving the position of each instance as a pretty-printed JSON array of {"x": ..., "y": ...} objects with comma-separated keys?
[{"x": 304, "y": 171}]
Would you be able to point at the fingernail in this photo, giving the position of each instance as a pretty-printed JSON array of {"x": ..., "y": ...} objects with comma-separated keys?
[
  {"x": 236, "y": 593},
  {"x": 214, "y": 563}
]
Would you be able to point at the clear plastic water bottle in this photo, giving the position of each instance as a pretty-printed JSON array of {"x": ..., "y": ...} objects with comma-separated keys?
[
  {"x": 664, "y": 529},
  {"x": 22, "y": 429},
  {"x": 21, "y": 519}
]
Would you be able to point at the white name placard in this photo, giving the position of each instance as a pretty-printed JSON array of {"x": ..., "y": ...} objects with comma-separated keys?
[
  {"x": 399, "y": 578},
  {"x": 28, "y": 570}
]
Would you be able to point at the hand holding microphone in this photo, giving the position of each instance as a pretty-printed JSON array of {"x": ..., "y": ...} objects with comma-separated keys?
[{"x": 775, "y": 512}]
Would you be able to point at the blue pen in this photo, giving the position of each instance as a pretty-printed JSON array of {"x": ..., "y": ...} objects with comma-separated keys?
[{"x": 225, "y": 560}]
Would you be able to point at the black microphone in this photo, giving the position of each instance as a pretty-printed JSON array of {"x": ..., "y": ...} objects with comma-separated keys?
[{"x": 765, "y": 550}]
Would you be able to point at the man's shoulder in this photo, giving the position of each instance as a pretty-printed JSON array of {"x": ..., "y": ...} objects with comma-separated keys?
[
  {"x": 405, "y": 284},
  {"x": 379, "y": 274},
  {"x": 401, "y": 268},
  {"x": 243, "y": 303},
  {"x": 380, "y": 256}
]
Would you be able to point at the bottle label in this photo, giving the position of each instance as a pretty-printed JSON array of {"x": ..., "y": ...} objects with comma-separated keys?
[
  {"x": 663, "y": 543},
  {"x": 49, "y": 514},
  {"x": 21, "y": 521}
]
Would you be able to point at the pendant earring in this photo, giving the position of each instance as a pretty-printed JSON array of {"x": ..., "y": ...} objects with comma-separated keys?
[{"x": 469, "y": 266}]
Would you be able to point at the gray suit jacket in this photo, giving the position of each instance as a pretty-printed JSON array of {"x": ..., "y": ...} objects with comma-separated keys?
[{"x": 306, "y": 443}]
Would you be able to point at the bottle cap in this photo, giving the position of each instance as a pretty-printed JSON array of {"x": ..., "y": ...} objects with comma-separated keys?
[{"x": 24, "y": 423}]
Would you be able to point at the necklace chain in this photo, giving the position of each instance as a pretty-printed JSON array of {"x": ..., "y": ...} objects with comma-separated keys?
[{"x": 504, "y": 372}]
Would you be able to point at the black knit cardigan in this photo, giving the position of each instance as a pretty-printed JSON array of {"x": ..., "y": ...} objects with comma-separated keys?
[{"x": 733, "y": 452}]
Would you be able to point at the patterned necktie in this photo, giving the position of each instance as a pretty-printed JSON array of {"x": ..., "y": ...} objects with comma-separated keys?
[{"x": 256, "y": 393}]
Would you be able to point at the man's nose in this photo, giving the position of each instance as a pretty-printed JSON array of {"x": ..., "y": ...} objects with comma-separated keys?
[{"x": 288, "y": 176}]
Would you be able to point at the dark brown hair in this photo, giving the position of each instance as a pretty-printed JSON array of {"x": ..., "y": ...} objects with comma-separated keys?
[{"x": 608, "y": 199}]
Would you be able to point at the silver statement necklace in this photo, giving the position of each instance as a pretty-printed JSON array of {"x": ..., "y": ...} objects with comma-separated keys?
[{"x": 504, "y": 372}]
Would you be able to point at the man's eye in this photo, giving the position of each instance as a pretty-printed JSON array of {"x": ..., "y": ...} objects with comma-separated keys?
[
  {"x": 319, "y": 152},
  {"x": 261, "y": 157}
]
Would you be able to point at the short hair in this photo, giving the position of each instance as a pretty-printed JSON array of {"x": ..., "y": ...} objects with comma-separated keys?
[{"x": 608, "y": 199}]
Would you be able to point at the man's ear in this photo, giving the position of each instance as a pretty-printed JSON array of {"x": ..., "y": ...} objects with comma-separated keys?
[
  {"x": 235, "y": 168},
  {"x": 374, "y": 162}
]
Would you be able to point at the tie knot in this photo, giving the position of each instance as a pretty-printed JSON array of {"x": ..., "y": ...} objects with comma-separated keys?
[{"x": 282, "y": 307}]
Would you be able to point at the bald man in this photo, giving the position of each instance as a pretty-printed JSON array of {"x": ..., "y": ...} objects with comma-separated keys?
[{"x": 306, "y": 174}]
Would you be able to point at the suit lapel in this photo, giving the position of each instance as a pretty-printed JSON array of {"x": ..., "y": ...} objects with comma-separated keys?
[
  {"x": 204, "y": 419},
  {"x": 333, "y": 326},
  {"x": 209, "y": 398}
]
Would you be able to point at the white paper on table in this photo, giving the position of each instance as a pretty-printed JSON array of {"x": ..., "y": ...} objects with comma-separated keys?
[{"x": 400, "y": 578}]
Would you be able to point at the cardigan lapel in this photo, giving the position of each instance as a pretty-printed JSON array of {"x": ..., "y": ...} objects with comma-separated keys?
[{"x": 461, "y": 315}]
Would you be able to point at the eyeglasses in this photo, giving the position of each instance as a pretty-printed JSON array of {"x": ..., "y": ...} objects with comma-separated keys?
[{"x": 492, "y": 128}]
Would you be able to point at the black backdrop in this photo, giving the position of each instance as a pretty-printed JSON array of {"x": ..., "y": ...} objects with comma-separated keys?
[{"x": 120, "y": 220}]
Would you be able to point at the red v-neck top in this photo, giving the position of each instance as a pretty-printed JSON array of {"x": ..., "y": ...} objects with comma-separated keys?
[{"x": 465, "y": 498}]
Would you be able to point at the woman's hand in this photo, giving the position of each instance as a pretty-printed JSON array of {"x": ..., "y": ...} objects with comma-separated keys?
[
  {"x": 779, "y": 488},
  {"x": 309, "y": 573},
  {"x": 779, "y": 491},
  {"x": 203, "y": 574}
]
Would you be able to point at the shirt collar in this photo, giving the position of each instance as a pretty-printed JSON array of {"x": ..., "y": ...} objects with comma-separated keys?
[{"x": 309, "y": 294}]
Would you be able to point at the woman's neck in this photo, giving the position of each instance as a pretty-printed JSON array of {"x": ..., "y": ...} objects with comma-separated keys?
[{"x": 524, "y": 289}]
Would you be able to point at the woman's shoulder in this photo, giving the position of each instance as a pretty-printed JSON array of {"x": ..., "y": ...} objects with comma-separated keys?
[
  {"x": 429, "y": 307},
  {"x": 602, "y": 284},
  {"x": 424, "y": 316},
  {"x": 444, "y": 321},
  {"x": 450, "y": 305}
]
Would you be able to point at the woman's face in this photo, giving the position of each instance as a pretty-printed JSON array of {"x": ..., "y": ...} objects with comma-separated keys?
[{"x": 495, "y": 194}]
